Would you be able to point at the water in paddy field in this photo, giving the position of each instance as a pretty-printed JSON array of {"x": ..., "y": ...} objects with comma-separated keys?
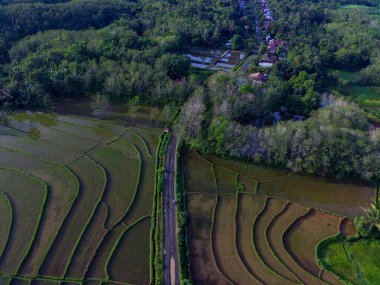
[
  {"x": 147, "y": 116},
  {"x": 215, "y": 59}
]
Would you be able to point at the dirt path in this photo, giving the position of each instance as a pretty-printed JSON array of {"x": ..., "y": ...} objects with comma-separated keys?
[{"x": 171, "y": 267}]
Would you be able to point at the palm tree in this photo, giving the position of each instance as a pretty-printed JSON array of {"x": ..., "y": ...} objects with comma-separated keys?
[{"x": 370, "y": 223}]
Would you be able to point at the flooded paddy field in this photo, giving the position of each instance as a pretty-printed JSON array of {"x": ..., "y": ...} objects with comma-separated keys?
[{"x": 214, "y": 59}]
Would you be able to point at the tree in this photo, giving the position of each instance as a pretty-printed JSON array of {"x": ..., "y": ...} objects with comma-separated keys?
[
  {"x": 236, "y": 42},
  {"x": 154, "y": 112},
  {"x": 100, "y": 105},
  {"x": 133, "y": 106},
  {"x": 369, "y": 224},
  {"x": 175, "y": 66},
  {"x": 192, "y": 117}
]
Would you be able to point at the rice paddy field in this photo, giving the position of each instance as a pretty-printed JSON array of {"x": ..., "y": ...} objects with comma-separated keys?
[
  {"x": 252, "y": 225},
  {"x": 75, "y": 200}
]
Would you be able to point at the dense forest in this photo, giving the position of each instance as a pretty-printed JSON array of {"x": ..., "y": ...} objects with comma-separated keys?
[
  {"x": 120, "y": 49},
  {"x": 134, "y": 50}
]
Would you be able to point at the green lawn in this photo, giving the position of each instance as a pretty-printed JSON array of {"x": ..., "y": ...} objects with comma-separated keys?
[
  {"x": 366, "y": 253},
  {"x": 357, "y": 262}
]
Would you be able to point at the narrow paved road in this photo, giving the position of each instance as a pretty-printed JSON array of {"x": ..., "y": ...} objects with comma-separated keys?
[{"x": 171, "y": 267}]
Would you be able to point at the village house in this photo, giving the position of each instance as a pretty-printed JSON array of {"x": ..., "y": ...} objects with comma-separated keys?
[
  {"x": 274, "y": 44},
  {"x": 259, "y": 77},
  {"x": 267, "y": 60}
]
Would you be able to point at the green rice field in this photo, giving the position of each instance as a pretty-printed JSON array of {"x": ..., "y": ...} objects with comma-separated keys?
[
  {"x": 252, "y": 225},
  {"x": 75, "y": 200}
]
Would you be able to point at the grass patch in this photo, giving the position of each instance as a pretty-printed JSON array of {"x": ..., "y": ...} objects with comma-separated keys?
[
  {"x": 89, "y": 243},
  {"x": 37, "y": 147},
  {"x": 98, "y": 184},
  {"x": 333, "y": 257},
  {"x": 27, "y": 198},
  {"x": 366, "y": 255},
  {"x": 98, "y": 266},
  {"x": 151, "y": 138},
  {"x": 369, "y": 98},
  {"x": 123, "y": 174},
  {"x": 355, "y": 261},
  {"x": 126, "y": 147},
  {"x": 6, "y": 216},
  {"x": 132, "y": 253},
  {"x": 106, "y": 126},
  {"x": 92, "y": 182},
  {"x": 143, "y": 201}
]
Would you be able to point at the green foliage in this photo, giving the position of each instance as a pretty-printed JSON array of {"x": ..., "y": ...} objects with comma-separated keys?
[
  {"x": 182, "y": 233},
  {"x": 156, "y": 236},
  {"x": 369, "y": 225}
]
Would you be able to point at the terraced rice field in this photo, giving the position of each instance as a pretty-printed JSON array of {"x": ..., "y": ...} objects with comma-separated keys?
[
  {"x": 266, "y": 231},
  {"x": 75, "y": 200}
]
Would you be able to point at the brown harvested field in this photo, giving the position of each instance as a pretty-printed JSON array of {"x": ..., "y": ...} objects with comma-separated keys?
[
  {"x": 275, "y": 233},
  {"x": 225, "y": 180},
  {"x": 129, "y": 260},
  {"x": 249, "y": 184},
  {"x": 92, "y": 181},
  {"x": 27, "y": 197},
  {"x": 224, "y": 242},
  {"x": 252, "y": 171},
  {"x": 250, "y": 207},
  {"x": 344, "y": 198},
  {"x": 302, "y": 237},
  {"x": 347, "y": 227},
  {"x": 272, "y": 208},
  {"x": 330, "y": 278},
  {"x": 90, "y": 241},
  {"x": 202, "y": 265},
  {"x": 199, "y": 174}
]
